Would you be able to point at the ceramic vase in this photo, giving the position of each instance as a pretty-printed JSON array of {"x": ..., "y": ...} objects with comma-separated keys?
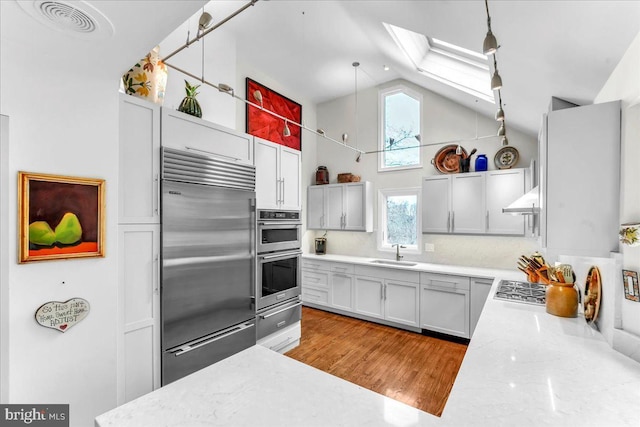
[{"x": 147, "y": 78}]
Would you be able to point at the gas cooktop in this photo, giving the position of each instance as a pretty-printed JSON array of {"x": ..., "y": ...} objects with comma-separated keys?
[{"x": 529, "y": 293}]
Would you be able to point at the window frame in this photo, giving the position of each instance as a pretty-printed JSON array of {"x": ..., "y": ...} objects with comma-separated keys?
[
  {"x": 382, "y": 94},
  {"x": 383, "y": 193}
]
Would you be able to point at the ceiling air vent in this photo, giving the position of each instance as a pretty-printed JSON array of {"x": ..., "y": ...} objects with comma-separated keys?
[{"x": 78, "y": 18}]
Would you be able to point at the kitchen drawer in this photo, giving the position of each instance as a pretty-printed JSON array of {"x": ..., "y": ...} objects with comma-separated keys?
[
  {"x": 278, "y": 318},
  {"x": 315, "y": 296},
  {"x": 388, "y": 273},
  {"x": 446, "y": 281},
  {"x": 283, "y": 340},
  {"x": 315, "y": 278},
  {"x": 342, "y": 268},
  {"x": 312, "y": 264}
]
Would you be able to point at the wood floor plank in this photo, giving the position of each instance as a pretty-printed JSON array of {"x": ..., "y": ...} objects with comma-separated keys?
[{"x": 412, "y": 368}]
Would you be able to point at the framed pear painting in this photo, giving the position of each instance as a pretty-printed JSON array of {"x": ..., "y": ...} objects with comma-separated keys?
[{"x": 61, "y": 217}]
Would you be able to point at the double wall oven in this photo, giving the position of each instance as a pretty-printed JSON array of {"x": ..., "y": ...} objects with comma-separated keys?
[{"x": 278, "y": 273}]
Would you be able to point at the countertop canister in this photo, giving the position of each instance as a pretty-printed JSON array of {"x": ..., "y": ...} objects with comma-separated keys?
[{"x": 562, "y": 299}]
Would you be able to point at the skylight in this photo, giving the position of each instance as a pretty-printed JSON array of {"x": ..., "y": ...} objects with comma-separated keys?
[{"x": 452, "y": 65}]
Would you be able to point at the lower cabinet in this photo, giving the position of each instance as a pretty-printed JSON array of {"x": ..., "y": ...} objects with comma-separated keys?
[
  {"x": 407, "y": 299},
  {"x": 479, "y": 292},
  {"x": 315, "y": 282},
  {"x": 402, "y": 302},
  {"x": 342, "y": 286},
  {"x": 139, "y": 280},
  {"x": 445, "y": 304},
  {"x": 369, "y": 296},
  {"x": 389, "y": 294}
]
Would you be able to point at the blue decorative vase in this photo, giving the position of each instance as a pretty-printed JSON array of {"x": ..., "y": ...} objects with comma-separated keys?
[{"x": 481, "y": 163}]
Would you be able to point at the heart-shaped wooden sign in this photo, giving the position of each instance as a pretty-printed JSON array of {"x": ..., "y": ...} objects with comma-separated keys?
[{"x": 62, "y": 315}]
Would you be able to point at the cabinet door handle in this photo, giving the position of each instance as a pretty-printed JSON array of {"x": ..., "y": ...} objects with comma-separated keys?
[
  {"x": 384, "y": 287},
  {"x": 156, "y": 207},
  {"x": 453, "y": 221},
  {"x": 282, "y": 194},
  {"x": 487, "y": 221},
  {"x": 156, "y": 270},
  {"x": 448, "y": 221}
]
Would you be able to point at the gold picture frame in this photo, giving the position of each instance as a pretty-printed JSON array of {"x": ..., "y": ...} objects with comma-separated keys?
[{"x": 61, "y": 217}]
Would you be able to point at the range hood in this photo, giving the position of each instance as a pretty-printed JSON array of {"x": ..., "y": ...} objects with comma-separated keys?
[{"x": 528, "y": 204}]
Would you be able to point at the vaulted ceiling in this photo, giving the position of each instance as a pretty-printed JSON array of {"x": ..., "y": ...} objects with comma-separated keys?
[{"x": 548, "y": 48}]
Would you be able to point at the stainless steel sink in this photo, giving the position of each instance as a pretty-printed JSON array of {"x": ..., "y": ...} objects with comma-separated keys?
[{"x": 392, "y": 262}]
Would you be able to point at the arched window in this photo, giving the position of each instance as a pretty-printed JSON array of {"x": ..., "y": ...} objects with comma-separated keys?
[{"x": 401, "y": 124}]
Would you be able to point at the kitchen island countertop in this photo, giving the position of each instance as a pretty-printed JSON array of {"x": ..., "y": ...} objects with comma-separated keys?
[{"x": 523, "y": 367}]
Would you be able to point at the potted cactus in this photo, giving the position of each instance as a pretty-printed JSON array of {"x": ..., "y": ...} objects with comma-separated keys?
[{"x": 189, "y": 104}]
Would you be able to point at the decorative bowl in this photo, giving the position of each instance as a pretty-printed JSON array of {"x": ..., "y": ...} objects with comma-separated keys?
[{"x": 630, "y": 234}]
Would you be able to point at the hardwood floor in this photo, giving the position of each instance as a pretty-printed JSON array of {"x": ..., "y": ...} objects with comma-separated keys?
[{"x": 414, "y": 369}]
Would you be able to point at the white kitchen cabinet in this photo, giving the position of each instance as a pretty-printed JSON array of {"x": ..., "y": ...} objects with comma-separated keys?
[
  {"x": 445, "y": 304},
  {"x": 436, "y": 202},
  {"x": 315, "y": 282},
  {"x": 579, "y": 180},
  {"x": 315, "y": 207},
  {"x": 471, "y": 203},
  {"x": 402, "y": 302},
  {"x": 502, "y": 188},
  {"x": 468, "y": 203},
  {"x": 277, "y": 176},
  {"x": 185, "y": 132},
  {"x": 388, "y": 294},
  {"x": 479, "y": 290},
  {"x": 342, "y": 286},
  {"x": 139, "y": 163},
  {"x": 340, "y": 207},
  {"x": 139, "y": 290},
  {"x": 369, "y": 299},
  {"x": 139, "y": 248}
]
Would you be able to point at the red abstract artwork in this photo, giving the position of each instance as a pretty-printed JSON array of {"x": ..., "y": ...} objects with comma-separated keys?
[{"x": 267, "y": 126}]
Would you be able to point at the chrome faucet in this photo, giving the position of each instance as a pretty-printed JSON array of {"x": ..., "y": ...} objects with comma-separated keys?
[{"x": 398, "y": 246}]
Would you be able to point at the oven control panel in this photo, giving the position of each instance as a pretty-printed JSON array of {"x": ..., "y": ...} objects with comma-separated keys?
[{"x": 279, "y": 215}]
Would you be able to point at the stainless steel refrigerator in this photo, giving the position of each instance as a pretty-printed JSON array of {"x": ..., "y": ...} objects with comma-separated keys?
[{"x": 208, "y": 261}]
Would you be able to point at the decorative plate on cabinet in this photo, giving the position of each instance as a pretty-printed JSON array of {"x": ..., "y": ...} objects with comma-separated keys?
[
  {"x": 506, "y": 157},
  {"x": 447, "y": 161},
  {"x": 592, "y": 295}
]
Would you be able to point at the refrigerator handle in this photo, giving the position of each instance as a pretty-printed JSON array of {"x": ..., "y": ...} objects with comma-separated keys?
[
  {"x": 254, "y": 248},
  {"x": 187, "y": 348}
]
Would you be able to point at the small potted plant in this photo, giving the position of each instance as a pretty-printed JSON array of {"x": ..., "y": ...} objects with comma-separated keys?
[{"x": 189, "y": 104}]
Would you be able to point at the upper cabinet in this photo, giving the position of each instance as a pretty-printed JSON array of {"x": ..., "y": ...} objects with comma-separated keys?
[
  {"x": 278, "y": 170},
  {"x": 139, "y": 164},
  {"x": 471, "y": 203},
  {"x": 580, "y": 180},
  {"x": 185, "y": 132},
  {"x": 340, "y": 207},
  {"x": 502, "y": 188}
]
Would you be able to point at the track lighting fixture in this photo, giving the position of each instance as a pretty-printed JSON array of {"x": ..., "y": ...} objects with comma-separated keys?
[
  {"x": 500, "y": 114},
  {"x": 223, "y": 87},
  {"x": 257, "y": 95},
  {"x": 286, "y": 131},
  {"x": 496, "y": 80},
  {"x": 345, "y": 137},
  {"x": 502, "y": 131},
  {"x": 505, "y": 141},
  {"x": 205, "y": 21},
  {"x": 458, "y": 150},
  {"x": 490, "y": 44}
]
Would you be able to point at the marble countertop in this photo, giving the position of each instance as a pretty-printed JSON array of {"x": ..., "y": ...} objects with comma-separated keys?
[
  {"x": 422, "y": 266},
  {"x": 523, "y": 367}
]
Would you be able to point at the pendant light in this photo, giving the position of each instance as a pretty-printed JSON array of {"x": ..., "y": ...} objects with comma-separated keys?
[
  {"x": 502, "y": 131},
  {"x": 500, "y": 112},
  {"x": 496, "y": 80},
  {"x": 490, "y": 44}
]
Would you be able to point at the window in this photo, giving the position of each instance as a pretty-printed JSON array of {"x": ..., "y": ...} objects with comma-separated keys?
[
  {"x": 399, "y": 215},
  {"x": 400, "y": 118},
  {"x": 447, "y": 63}
]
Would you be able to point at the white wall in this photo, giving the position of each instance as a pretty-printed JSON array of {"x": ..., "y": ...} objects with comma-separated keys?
[
  {"x": 624, "y": 84},
  {"x": 219, "y": 67},
  {"x": 443, "y": 120},
  {"x": 63, "y": 121}
]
